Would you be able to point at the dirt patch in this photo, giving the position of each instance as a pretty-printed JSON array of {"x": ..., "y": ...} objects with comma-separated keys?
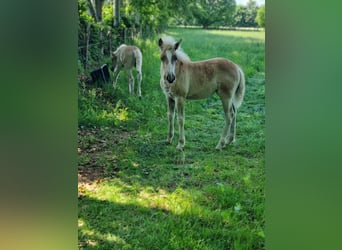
[{"x": 97, "y": 160}]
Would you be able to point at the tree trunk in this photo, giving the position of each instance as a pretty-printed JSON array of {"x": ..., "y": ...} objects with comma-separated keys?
[
  {"x": 101, "y": 42},
  {"x": 109, "y": 35},
  {"x": 95, "y": 7},
  {"x": 87, "y": 46},
  {"x": 92, "y": 10},
  {"x": 98, "y": 7},
  {"x": 116, "y": 12}
]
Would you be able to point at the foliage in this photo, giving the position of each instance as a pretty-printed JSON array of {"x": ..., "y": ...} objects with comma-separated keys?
[
  {"x": 107, "y": 14},
  {"x": 214, "y": 13},
  {"x": 149, "y": 15},
  {"x": 210, "y": 12},
  {"x": 244, "y": 16},
  {"x": 182, "y": 14},
  {"x": 154, "y": 15},
  {"x": 260, "y": 18},
  {"x": 139, "y": 193}
]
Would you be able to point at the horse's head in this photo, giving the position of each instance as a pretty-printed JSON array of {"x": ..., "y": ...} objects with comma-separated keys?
[{"x": 168, "y": 58}]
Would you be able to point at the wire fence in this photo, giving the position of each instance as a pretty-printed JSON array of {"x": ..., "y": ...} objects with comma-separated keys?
[{"x": 95, "y": 45}]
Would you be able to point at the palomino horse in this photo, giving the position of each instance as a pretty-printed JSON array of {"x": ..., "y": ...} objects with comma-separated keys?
[
  {"x": 182, "y": 79},
  {"x": 127, "y": 57}
]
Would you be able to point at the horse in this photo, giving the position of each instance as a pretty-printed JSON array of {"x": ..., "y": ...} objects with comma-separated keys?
[
  {"x": 127, "y": 57},
  {"x": 183, "y": 79}
]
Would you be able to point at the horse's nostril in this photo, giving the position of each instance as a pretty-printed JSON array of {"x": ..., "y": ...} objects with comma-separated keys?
[{"x": 170, "y": 78}]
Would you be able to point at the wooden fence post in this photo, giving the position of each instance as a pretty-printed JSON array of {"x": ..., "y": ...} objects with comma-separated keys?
[{"x": 87, "y": 45}]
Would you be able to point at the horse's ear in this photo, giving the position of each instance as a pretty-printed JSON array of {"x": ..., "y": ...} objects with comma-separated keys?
[
  {"x": 160, "y": 42},
  {"x": 177, "y": 44}
]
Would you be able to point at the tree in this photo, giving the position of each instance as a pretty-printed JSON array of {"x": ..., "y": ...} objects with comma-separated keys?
[
  {"x": 260, "y": 18},
  {"x": 182, "y": 13},
  {"x": 152, "y": 15},
  {"x": 252, "y": 9},
  {"x": 240, "y": 16},
  {"x": 209, "y": 12},
  {"x": 244, "y": 16}
]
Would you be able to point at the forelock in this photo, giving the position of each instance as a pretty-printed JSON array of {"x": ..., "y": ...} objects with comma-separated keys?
[{"x": 168, "y": 42}]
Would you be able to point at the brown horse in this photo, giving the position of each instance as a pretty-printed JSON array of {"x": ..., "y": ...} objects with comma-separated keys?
[
  {"x": 127, "y": 57},
  {"x": 183, "y": 79}
]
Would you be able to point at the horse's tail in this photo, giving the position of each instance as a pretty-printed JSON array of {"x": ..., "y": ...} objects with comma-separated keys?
[
  {"x": 138, "y": 59},
  {"x": 240, "y": 91}
]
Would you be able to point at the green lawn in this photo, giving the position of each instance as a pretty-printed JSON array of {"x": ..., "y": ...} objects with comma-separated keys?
[{"x": 135, "y": 192}]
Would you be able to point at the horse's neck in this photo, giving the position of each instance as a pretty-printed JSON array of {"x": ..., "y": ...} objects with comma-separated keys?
[{"x": 181, "y": 64}]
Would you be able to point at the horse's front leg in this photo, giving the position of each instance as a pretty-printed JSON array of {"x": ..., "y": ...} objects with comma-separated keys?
[
  {"x": 180, "y": 116},
  {"x": 116, "y": 76},
  {"x": 171, "y": 116}
]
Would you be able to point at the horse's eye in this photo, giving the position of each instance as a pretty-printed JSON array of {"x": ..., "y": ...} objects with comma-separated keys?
[
  {"x": 174, "y": 58},
  {"x": 163, "y": 58}
]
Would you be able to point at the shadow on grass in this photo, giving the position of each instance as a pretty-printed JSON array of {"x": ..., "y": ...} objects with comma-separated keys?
[{"x": 110, "y": 225}]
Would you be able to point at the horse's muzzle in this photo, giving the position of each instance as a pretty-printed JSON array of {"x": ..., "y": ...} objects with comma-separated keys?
[{"x": 170, "y": 78}]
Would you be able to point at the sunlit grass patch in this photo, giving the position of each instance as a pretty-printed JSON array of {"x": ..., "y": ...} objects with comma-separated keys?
[{"x": 240, "y": 34}]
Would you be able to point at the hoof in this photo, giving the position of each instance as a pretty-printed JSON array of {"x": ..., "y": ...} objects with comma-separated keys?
[
  {"x": 230, "y": 141},
  {"x": 180, "y": 147},
  {"x": 219, "y": 146}
]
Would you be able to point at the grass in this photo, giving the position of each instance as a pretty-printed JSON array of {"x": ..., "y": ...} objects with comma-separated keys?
[{"x": 135, "y": 192}]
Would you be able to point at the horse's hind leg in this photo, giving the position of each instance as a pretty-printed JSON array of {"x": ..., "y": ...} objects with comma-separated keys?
[
  {"x": 139, "y": 83},
  {"x": 228, "y": 115},
  {"x": 231, "y": 135},
  {"x": 130, "y": 81}
]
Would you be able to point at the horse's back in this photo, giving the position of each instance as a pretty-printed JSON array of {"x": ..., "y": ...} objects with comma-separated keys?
[{"x": 218, "y": 64}]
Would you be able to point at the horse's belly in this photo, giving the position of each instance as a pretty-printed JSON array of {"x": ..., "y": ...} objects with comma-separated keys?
[
  {"x": 201, "y": 92},
  {"x": 196, "y": 96}
]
